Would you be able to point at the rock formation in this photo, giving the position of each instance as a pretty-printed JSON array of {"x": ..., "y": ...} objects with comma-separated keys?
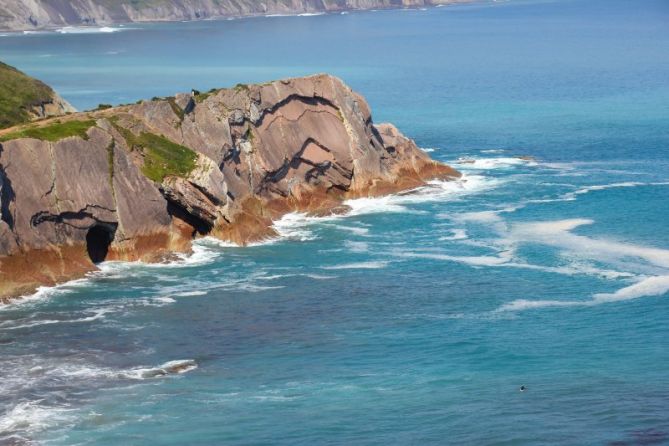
[
  {"x": 35, "y": 14},
  {"x": 141, "y": 181}
]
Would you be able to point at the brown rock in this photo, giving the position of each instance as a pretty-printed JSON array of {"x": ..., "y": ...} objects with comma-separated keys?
[{"x": 256, "y": 153}]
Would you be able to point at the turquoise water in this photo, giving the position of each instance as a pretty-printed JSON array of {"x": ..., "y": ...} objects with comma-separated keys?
[{"x": 414, "y": 319}]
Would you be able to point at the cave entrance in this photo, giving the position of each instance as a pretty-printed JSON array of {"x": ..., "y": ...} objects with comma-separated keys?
[{"x": 98, "y": 240}]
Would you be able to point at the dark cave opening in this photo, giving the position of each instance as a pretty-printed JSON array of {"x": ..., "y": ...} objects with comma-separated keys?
[
  {"x": 98, "y": 240},
  {"x": 200, "y": 226}
]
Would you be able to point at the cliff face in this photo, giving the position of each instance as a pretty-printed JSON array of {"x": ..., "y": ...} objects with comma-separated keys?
[
  {"x": 23, "y": 98},
  {"x": 33, "y": 14},
  {"x": 141, "y": 181}
]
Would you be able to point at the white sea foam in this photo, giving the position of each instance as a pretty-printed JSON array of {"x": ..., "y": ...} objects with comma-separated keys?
[
  {"x": 190, "y": 293},
  {"x": 294, "y": 226},
  {"x": 88, "y": 30},
  {"x": 354, "y": 230},
  {"x": 319, "y": 276},
  {"x": 433, "y": 191},
  {"x": 556, "y": 233},
  {"x": 456, "y": 234},
  {"x": 500, "y": 259},
  {"x": 164, "y": 300},
  {"x": 492, "y": 163},
  {"x": 358, "y": 265},
  {"x": 30, "y": 417},
  {"x": 96, "y": 314},
  {"x": 376, "y": 205},
  {"x": 650, "y": 286},
  {"x": 177, "y": 367},
  {"x": 356, "y": 246}
]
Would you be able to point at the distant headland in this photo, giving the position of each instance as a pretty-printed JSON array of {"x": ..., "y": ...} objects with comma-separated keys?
[{"x": 18, "y": 15}]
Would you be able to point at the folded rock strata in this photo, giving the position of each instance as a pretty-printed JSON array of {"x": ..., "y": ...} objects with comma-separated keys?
[{"x": 137, "y": 182}]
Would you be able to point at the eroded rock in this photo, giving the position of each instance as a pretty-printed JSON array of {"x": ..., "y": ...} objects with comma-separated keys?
[{"x": 145, "y": 179}]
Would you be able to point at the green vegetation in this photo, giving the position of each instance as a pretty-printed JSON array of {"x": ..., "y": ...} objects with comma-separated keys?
[
  {"x": 54, "y": 131},
  {"x": 162, "y": 157},
  {"x": 200, "y": 97},
  {"x": 249, "y": 136},
  {"x": 104, "y": 106},
  {"x": 241, "y": 87},
  {"x": 176, "y": 109},
  {"x": 18, "y": 94},
  {"x": 110, "y": 161}
]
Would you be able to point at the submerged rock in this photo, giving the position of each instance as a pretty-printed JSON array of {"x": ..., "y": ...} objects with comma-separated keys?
[{"x": 141, "y": 181}]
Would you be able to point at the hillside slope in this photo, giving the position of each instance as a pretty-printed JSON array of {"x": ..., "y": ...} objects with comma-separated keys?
[{"x": 23, "y": 98}]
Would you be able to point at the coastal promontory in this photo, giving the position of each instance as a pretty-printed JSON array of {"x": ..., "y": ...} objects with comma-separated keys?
[{"x": 141, "y": 181}]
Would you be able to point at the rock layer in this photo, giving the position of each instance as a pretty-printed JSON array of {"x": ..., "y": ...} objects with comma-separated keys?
[
  {"x": 35, "y": 14},
  {"x": 144, "y": 180}
]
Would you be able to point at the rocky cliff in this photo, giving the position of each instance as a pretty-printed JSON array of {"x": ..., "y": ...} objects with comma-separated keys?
[
  {"x": 141, "y": 181},
  {"x": 35, "y": 14},
  {"x": 23, "y": 99}
]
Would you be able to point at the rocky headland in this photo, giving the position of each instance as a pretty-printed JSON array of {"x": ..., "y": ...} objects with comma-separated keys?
[
  {"x": 19, "y": 15},
  {"x": 141, "y": 181}
]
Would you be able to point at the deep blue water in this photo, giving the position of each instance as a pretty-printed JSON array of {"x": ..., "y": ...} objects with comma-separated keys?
[{"x": 415, "y": 319}]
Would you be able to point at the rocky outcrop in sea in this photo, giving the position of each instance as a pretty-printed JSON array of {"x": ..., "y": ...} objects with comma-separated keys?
[{"x": 141, "y": 181}]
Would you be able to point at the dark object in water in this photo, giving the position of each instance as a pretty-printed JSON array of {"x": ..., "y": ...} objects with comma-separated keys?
[{"x": 522, "y": 388}]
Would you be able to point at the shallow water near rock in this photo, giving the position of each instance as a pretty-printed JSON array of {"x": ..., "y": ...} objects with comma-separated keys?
[{"x": 415, "y": 318}]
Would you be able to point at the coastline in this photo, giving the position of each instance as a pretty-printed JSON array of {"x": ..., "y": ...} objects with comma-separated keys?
[{"x": 109, "y": 24}]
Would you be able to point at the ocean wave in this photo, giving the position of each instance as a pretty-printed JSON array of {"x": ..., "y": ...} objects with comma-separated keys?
[
  {"x": 434, "y": 191},
  {"x": 44, "y": 293},
  {"x": 294, "y": 226}
]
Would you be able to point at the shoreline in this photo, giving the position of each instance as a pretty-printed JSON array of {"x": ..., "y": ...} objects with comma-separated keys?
[
  {"x": 429, "y": 192},
  {"x": 48, "y": 29}
]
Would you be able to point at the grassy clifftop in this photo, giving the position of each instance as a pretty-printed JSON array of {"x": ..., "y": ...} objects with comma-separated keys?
[{"x": 20, "y": 94}]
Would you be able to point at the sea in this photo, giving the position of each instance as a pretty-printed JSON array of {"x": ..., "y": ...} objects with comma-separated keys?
[{"x": 415, "y": 318}]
